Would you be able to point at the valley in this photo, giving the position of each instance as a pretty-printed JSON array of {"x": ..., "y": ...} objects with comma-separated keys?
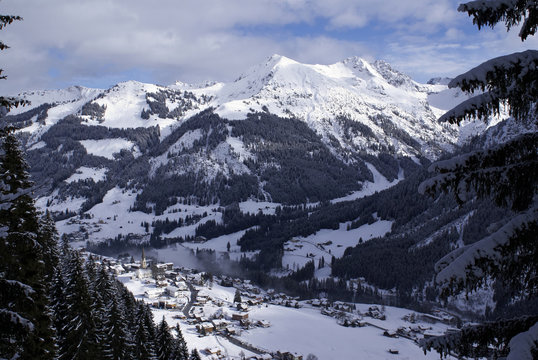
[{"x": 298, "y": 179}]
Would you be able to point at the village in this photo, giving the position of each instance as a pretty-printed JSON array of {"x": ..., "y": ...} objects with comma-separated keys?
[{"x": 220, "y": 314}]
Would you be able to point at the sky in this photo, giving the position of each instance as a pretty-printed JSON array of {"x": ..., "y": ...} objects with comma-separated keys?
[{"x": 98, "y": 43}]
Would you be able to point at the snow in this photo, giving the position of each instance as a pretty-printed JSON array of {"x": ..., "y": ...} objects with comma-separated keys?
[
  {"x": 380, "y": 183},
  {"x": 113, "y": 217},
  {"x": 109, "y": 218},
  {"x": 457, "y": 225},
  {"x": 478, "y": 76},
  {"x": 305, "y": 331},
  {"x": 189, "y": 332},
  {"x": 476, "y": 301},
  {"x": 108, "y": 147},
  {"x": 239, "y": 148},
  {"x": 67, "y": 101},
  {"x": 38, "y": 145},
  {"x": 186, "y": 141},
  {"x": 73, "y": 204},
  {"x": 124, "y": 104},
  {"x": 508, "y": 69},
  {"x": 83, "y": 173},
  {"x": 16, "y": 318},
  {"x": 63, "y": 96},
  {"x": 521, "y": 345},
  {"x": 190, "y": 230},
  {"x": 254, "y": 207},
  {"x": 318, "y": 93},
  {"x": 459, "y": 262},
  {"x": 220, "y": 245},
  {"x": 297, "y": 251}
]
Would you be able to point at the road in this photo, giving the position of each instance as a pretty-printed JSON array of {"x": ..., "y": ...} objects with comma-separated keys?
[
  {"x": 235, "y": 341},
  {"x": 194, "y": 295}
]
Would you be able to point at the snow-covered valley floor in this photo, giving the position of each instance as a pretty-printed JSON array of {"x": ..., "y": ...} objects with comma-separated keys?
[{"x": 269, "y": 326}]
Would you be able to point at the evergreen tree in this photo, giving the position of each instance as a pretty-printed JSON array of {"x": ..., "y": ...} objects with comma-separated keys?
[
  {"x": 144, "y": 341},
  {"x": 195, "y": 355},
  {"x": 508, "y": 173},
  {"x": 80, "y": 341},
  {"x": 49, "y": 238},
  {"x": 100, "y": 292},
  {"x": 237, "y": 296},
  {"x": 118, "y": 342},
  {"x": 180, "y": 349},
  {"x": 28, "y": 331},
  {"x": 122, "y": 310},
  {"x": 164, "y": 341},
  {"x": 58, "y": 303}
]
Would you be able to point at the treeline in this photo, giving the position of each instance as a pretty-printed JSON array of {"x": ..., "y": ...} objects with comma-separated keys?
[
  {"x": 25, "y": 119},
  {"x": 405, "y": 259},
  {"x": 96, "y": 317},
  {"x": 94, "y": 110},
  {"x": 291, "y": 164},
  {"x": 292, "y": 160},
  {"x": 394, "y": 263},
  {"x": 63, "y": 154},
  {"x": 301, "y": 283},
  {"x": 72, "y": 127},
  {"x": 56, "y": 305},
  {"x": 233, "y": 220},
  {"x": 400, "y": 203},
  {"x": 179, "y": 178},
  {"x": 185, "y": 101}
]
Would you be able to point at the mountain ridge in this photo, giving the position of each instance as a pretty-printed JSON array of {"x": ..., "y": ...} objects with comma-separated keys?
[
  {"x": 316, "y": 94},
  {"x": 282, "y": 130}
]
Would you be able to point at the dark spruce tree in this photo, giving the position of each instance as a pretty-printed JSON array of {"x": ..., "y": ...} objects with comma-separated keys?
[
  {"x": 144, "y": 339},
  {"x": 49, "y": 239},
  {"x": 80, "y": 337},
  {"x": 180, "y": 349},
  {"x": 195, "y": 355},
  {"x": 58, "y": 300},
  {"x": 507, "y": 173},
  {"x": 237, "y": 296},
  {"x": 26, "y": 330},
  {"x": 164, "y": 342},
  {"x": 116, "y": 340}
]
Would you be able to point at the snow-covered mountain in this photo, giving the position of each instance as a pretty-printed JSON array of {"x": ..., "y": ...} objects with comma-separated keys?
[
  {"x": 283, "y": 132},
  {"x": 394, "y": 113}
]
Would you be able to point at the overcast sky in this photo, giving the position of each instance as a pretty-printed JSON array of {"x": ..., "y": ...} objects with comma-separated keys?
[{"x": 98, "y": 43}]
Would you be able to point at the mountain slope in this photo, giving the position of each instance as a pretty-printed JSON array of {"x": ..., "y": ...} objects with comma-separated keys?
[
  {"x": 388, "y": 111},
  {"x": 283, "y": 132}
]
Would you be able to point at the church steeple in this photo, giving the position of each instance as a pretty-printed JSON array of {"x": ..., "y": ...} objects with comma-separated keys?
[{"x": 143, "y": 263}]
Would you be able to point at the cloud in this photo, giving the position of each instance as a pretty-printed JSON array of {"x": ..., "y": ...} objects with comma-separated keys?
[
  {"x": 100, "y": 42},
  {"x": 454, "y": 53}
]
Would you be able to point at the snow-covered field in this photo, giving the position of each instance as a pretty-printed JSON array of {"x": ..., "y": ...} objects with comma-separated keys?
[
  {"x": 84, "y": 172},
  {"x": 327, "y": 243},
  {"x": 380, "y": 183},
  {"x": 303, "y": 330},
  {"x": 307, "y": 331},
  {"x": 113, "y": 217},
  {"x": 108, "y": 147},
  {"x": 220, "y": 244}
]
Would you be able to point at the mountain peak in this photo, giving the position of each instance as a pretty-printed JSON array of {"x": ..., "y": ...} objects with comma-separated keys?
[
  {"x": 280, "y": 60},
  {"x": 393, "y": 76},
  {"x": 355, "y": 61}
]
